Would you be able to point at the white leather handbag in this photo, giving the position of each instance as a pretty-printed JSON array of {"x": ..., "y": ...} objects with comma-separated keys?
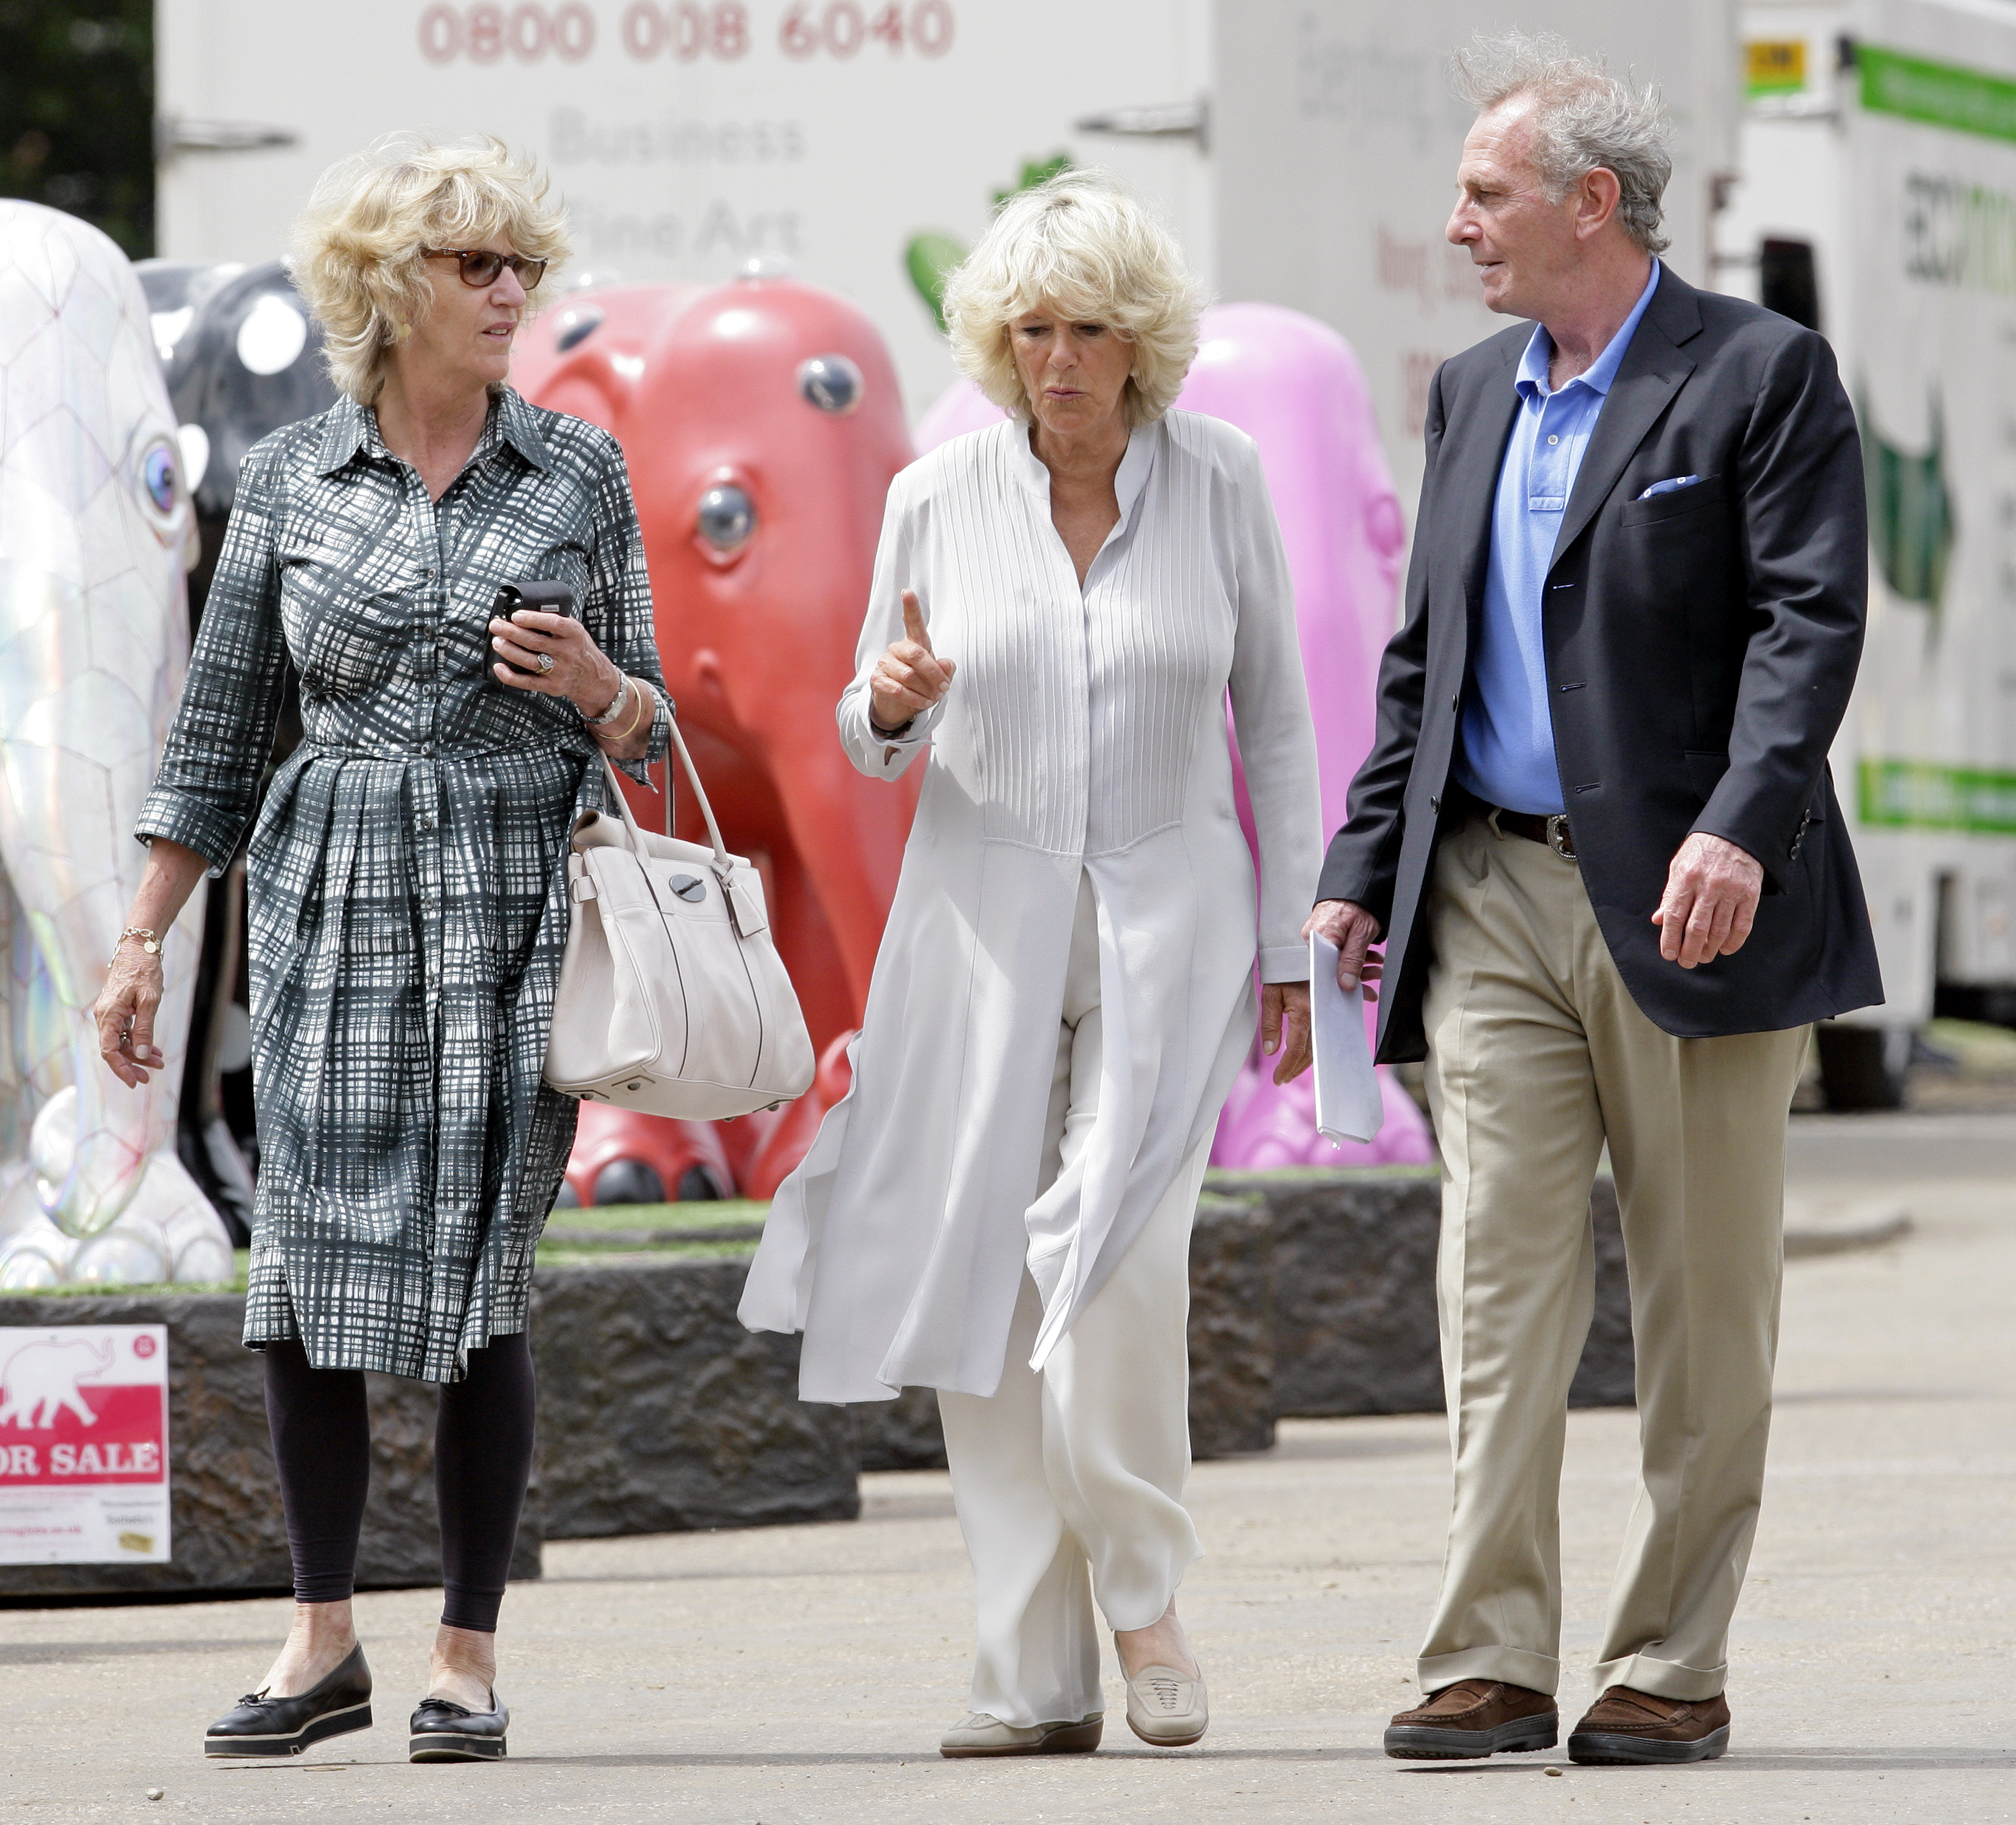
[{"x": 672, "y": 999}]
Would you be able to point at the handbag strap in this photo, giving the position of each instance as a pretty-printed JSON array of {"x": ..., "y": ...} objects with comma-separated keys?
[{"x": 722, "y": 865}]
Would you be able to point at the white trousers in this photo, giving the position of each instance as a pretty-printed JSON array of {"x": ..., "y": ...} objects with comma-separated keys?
[{"x": 1069, "y": 1482}]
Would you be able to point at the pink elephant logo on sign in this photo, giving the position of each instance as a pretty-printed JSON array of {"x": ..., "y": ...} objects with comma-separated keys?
[{"x": 1292, "y": 385}]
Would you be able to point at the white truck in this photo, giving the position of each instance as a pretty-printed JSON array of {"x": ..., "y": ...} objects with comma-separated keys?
[
  {"x": 1879, "y": 204},
  {"x": 1304, "y": 149}
]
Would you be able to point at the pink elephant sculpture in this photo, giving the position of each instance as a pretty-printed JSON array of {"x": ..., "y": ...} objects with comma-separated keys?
[{"x": 1292, "y": 385}]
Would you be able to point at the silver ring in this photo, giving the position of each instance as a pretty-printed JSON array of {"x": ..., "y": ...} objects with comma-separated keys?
[{"x": 545, "y": 663}]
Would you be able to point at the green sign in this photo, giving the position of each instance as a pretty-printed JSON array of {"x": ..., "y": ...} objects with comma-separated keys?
[
  {"x": 1919, "y": 795},
  {"x": 1940, "y": 95}
]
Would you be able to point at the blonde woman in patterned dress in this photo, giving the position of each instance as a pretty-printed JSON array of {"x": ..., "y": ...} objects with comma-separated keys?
[
  {"x": 1001, "y": 1208},
  {"x": 405, "y": 882}
]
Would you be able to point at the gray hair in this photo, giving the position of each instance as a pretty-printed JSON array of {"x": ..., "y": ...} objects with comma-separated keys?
[{"x": 1583, "y": 117}]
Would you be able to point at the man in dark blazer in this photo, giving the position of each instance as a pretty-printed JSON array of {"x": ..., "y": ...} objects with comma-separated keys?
[{"x": 1597, "y": 835}]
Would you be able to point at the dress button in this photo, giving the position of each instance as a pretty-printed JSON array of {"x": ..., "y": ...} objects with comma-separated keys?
[{"x": 1553, "y": 439}]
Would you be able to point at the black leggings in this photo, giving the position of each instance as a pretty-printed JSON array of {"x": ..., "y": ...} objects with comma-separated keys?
[{"x": 483, "y": 1459}]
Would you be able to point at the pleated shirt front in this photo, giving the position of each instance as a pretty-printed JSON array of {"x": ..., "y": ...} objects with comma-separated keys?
[
  {"x": 406, "y": 882},
  {"x": 1084, "y": 735}
]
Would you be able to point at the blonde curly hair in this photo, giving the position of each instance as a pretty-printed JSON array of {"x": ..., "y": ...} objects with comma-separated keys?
[
  {"x": 359, "y": 246},
  {"x": 1082, "y": 244}
]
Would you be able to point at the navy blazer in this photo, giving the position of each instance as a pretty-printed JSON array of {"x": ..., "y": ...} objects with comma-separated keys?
[{"x": 1700, "y": 646}]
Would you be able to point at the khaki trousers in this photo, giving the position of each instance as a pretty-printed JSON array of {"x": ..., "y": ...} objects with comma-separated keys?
[
  {"x": 1069, "y": 1483},
  {"x": 1537, "y": 1056}
]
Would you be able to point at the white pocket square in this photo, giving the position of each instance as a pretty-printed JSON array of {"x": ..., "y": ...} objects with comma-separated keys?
[{"x": 1672, "y": 485}]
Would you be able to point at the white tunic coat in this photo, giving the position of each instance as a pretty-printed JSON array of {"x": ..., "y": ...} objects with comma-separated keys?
[{"x": 1083, "y": 733}]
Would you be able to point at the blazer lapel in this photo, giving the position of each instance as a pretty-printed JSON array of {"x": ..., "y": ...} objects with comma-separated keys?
[
  {"x": 1481, "y": 438},
  {"x": 1653, "y": 367}
]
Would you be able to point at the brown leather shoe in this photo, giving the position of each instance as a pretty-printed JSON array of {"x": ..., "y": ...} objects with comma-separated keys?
[
  {"x": 1472, "y": 1718},
  {"x": 1626, "y": 1727}
]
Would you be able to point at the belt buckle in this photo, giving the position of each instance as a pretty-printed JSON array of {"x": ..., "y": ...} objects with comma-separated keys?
[{"x": 1560, "y": 839}]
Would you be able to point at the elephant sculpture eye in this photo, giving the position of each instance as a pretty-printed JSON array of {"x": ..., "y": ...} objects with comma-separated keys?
[
  {"x": 577, "y": 325},
  {"x": 727, "y": 517},
  {"x": 157, "y": 470},
  {"x": 831, "y": 382}
]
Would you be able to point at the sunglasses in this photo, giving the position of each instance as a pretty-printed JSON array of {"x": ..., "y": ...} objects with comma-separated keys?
[{"x": 481, "y": 267}]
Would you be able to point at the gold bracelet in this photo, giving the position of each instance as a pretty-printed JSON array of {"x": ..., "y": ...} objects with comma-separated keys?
[{"x": 644, "y": 702}]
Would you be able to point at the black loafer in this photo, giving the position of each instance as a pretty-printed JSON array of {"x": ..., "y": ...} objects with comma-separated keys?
[
  {"x": 444, "y": 1731},
  {"x": 261, "y": 1725}
]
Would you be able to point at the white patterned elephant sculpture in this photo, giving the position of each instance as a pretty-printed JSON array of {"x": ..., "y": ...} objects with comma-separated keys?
[{"x": 94, "y": 640}]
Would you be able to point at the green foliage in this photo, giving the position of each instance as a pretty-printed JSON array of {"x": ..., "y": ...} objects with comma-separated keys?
[
  {"x": 930, "y": 256},
  {"x": 77, "y": 112},
  {"x": 1035, "y": 172},
  {"x": 929, "y": 260}
]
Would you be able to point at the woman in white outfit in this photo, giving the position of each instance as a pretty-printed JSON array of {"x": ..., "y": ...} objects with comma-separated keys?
[{"x": 1001, "y": 1207}]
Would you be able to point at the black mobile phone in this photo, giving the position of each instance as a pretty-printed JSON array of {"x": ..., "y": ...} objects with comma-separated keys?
[{"x": 552, "y": 598}]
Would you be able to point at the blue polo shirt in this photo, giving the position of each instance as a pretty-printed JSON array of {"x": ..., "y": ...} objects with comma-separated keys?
[{"x": 1507, "y": 753}]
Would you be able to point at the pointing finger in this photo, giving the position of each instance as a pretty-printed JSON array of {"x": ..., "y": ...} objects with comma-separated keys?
[{"x": 913, "y": 620}]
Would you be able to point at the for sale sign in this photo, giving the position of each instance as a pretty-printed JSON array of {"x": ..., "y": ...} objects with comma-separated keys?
[{"x": 84, "y": 1444}]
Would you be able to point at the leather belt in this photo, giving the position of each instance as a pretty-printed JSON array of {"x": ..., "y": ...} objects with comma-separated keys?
[{"x": 1535, "y": 827}]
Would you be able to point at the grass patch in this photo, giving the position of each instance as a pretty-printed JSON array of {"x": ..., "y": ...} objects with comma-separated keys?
[
  {"x": 236, "y": 1284},
  {"x": 670, "y": 1219},
  {"x": 1311, "y": 1174},
  {"x": 622, "y": 1255}
]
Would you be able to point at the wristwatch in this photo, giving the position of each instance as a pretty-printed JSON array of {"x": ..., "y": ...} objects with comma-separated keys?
[{"x": 615, "y": 704}]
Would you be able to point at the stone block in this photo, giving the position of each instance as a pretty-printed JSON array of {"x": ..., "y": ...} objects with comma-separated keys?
[
  {"x": 900, "y": 1435},
  {"x": 1231, "y": 1326},
  {"x": 228, "y": 1532},
  {"x": 1354, "y": 1291},
  {"x": 659, "y": 1412}
]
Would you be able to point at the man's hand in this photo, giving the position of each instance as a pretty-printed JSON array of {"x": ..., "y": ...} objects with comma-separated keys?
[
  {"x": 1711, "y": 899},
  {"x": 1354, "y": 931}
]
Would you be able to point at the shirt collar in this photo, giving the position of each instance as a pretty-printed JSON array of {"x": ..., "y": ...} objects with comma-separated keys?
[
  {"x": 1531, "y": 380},
  {"x": 1128, "y": 481},
  {"x": 351, "y": 427}
]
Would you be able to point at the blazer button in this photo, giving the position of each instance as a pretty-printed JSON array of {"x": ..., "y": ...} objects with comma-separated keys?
[
  {"x": 1456, "y": 703},
  {"x": 1435, "y": 803}
]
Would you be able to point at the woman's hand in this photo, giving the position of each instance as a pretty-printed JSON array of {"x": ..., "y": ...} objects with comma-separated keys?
[
  {"x": 1286, "y": 1003},
  {"x": 125, "y": 1014},
  {"x": 909, "y": 678},
  {"x": 579, "y": 671},
  {"x": 132, "y": 995}
]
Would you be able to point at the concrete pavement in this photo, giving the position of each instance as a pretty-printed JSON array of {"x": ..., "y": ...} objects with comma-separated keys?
[{"x": 792, "y": 1675}]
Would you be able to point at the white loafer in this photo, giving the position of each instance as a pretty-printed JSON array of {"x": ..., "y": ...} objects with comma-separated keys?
[
  {"x": 979, "y": 1734},
  {"x": 1167, "y": 1708}
]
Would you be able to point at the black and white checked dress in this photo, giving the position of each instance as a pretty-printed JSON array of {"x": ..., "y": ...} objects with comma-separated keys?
[{"x": 406, "y": 881}]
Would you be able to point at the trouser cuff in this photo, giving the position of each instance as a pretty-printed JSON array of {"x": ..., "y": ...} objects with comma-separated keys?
[
  {"x": 1663, "y": 1679},
  {"x": 462, "y": 1607},
  {"x": 325, "y": 1587},
  {"x": 1509, "y": 1666}
]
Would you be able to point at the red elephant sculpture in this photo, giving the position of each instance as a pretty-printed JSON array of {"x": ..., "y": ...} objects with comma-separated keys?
[{"x": 762, "y": 425}]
